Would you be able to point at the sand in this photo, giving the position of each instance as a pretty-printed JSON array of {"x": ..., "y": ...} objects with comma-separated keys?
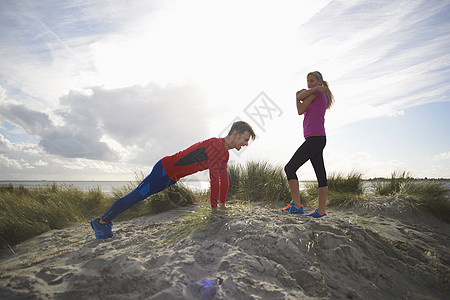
[{"x": 377, "y": 251}]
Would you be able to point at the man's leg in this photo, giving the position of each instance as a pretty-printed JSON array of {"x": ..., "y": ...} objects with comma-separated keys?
[{"x": 155, "y": 182}]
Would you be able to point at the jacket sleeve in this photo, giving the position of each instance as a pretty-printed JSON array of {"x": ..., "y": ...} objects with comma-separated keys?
[
  {"x": 224, "y": 183},
  {"x": 214, "y": 180},
  {"x": 218, "y": 173}
]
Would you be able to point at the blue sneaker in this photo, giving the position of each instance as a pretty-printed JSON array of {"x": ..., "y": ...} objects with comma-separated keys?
[
  {"x": 315, "y": 214},
  {"x": 289, "y": 205},
  {"x": 290, "y": 208},
  {"x": 102, "y": 231},
  {"x": 109, "y": 232}
]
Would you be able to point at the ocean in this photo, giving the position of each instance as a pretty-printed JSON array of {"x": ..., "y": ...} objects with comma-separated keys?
[{"x": 108, "y": 187}]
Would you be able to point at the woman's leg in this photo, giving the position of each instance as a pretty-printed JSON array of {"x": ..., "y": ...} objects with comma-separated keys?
[
  {"x": 301, "y": 156},
  {"x": 323, "y": 191},
  {"x": 295, "y": 192},
  {"x": 321, "y": 174}
]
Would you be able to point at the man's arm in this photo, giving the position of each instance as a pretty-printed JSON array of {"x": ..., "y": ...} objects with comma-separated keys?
[
  {"x": 224, "y": 182},
  {"x": 215, "y": 151},
  {"x": 215, "y": 186},
  {"x": 218, "y": 179}
]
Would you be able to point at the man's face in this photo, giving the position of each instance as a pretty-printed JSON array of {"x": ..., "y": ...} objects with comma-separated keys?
[{"x": 241, "y": 140}]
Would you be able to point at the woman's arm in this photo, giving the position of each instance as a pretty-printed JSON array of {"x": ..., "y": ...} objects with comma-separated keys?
[
  {"x": 303, "y": 94},
  {"x": 303, "y": 105},
  {"x": 305, "y": 97}
]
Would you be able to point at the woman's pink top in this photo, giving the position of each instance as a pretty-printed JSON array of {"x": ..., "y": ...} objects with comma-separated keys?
[{"x": 314, "y": 120}]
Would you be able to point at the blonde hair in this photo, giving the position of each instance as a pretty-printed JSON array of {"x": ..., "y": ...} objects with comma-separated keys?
[{"x": 330, "y": 97}]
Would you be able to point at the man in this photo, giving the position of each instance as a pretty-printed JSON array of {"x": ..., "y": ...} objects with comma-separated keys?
[{"x": 209, "y": 154}]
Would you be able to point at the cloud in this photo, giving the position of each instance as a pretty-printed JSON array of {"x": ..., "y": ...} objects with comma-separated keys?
[
  {"x": 70, "y": 71},
  {"x": 442, "y": 156},
  {"x": 43, "y": 44},
  {"x": 141, "y": 119},
  {"x": 144, "y": 122},
  {"x": 41, "y": 163},
  {"x": 10, "y": 163},
  {"x": 380, "y": 58},
  {"x": 5, "y": 144},
  {"x": 30, "y": 120},
  {"x": 71, "y": 141}
]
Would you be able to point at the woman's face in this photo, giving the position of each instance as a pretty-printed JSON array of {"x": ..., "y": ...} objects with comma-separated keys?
[{"x": 312, "y": 81}]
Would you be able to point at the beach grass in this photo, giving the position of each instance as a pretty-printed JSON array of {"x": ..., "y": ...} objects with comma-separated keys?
[
  {"x": 351, "y": 183},
  {"x": 258, "y": 181},
  {"x": 396, "y": 184},
  {"x": 429, "y": 196},
  {"x": 343, "y": 190},
  {"x": 178, "y": 195},
  {"x": 25, "y": 213}
]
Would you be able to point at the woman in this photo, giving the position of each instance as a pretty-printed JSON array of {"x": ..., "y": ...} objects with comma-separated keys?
[{"x": 312, "y": 103}]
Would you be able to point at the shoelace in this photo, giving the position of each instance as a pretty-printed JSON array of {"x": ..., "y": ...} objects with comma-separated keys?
[
  {"x": 288, "y": 206},
  {"x": 108, "y": 229}
]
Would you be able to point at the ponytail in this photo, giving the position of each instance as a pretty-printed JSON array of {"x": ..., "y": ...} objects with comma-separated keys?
[{"x": 330, "y": 97}]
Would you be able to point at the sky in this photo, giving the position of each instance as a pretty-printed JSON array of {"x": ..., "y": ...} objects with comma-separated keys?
[{"x": 101, "y": 90}]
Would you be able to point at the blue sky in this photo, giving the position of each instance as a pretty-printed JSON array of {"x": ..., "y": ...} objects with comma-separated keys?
[{"x": 94, "y": 90}]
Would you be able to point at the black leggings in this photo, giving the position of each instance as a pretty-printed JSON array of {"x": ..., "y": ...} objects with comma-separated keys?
[{"x": 311, "y": 149}]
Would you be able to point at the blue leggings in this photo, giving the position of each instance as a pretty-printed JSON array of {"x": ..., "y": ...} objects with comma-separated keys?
[
  {"x": 311, "y": 149},
  {"x": 155, "y": 182}
]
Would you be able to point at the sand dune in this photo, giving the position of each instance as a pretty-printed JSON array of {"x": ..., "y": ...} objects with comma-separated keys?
[{"x": 377, "y": 252}]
